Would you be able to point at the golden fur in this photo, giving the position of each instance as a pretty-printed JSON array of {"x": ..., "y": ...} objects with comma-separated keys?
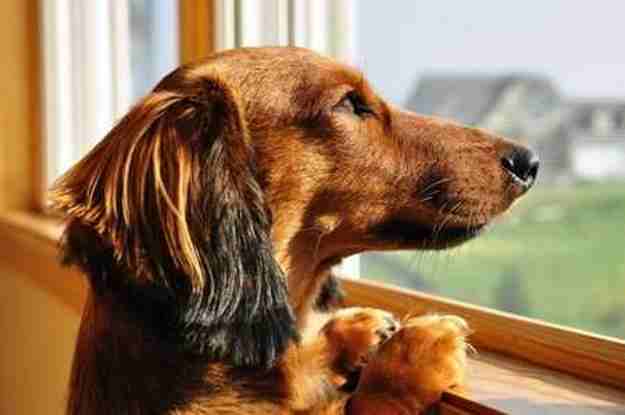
[{"x": 209, "y": 218}]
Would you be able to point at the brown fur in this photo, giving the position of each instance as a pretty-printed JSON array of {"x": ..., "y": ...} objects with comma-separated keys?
[{"x": 208, "y": 220}]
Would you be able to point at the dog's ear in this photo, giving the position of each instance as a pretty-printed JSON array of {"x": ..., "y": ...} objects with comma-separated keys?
[{"x": 166, "y": 212}]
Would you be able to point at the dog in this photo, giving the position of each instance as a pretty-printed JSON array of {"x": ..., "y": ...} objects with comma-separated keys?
[{"x": 209, "y": 218}]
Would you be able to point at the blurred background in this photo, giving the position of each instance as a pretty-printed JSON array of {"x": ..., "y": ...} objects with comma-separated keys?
[{"x": 549, "y": 74}]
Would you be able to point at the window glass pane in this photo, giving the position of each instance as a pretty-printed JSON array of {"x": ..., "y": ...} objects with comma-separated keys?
[
  {"x": 102, "y": 57},
  {"x": 153, "y": 42},
  {"x": 528, "y": 70}
]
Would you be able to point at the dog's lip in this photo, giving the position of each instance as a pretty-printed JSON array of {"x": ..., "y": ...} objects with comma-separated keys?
[
  {"x": 420, "y": 236},
  {"x": 453, "y": 236}
]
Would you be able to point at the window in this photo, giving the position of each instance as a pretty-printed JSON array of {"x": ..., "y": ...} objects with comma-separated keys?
[
  {"x": 153, "y": 42},
  {"x": 559, "y": 255},
  {"x": 98, "y": 59}
]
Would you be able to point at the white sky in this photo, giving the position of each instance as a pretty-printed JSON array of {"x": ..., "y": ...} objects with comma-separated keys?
[{"x": 580, "y": 44}]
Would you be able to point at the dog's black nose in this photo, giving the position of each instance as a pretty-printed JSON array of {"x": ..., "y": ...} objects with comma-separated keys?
[{"x": 522, "y": 164}]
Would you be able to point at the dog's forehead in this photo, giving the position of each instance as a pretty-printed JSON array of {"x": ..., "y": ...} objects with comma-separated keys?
[
  {"x": 282, "y": 85},
  {"x": 280, "y": 71}
]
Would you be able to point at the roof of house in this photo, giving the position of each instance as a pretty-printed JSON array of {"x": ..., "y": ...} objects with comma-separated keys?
[
  {"x": 466, "y": 98},
  {"x": 582, "y": 115}
]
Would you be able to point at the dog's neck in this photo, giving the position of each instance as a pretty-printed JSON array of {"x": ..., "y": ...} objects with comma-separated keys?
[
  {"x": 121, "y": 366},
  {"x": 306, "y": 252},
  {"x": 304, "y": 286},
  {"x": 306, "y": 275}
]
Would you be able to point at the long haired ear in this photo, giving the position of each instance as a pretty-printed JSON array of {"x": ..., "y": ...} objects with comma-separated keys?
[{"x": 166, "y": 212}]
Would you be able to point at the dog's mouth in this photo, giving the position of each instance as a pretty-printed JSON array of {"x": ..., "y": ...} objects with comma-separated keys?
[{"x": 402, "y": 234}]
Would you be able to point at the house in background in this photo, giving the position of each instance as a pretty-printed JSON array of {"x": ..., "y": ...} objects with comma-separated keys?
[
  {"x": 596, "y": 132},
  {"x": 575, "y": 140}
]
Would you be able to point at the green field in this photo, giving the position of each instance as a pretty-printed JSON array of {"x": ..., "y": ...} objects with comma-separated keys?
[{"x": 558, "y": 256}]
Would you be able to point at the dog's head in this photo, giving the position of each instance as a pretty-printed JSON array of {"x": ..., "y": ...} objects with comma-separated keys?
[{"x": 263, "y": 162}]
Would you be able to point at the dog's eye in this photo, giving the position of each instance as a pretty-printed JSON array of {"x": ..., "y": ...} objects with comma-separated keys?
[{"x": 353, "y": 103}]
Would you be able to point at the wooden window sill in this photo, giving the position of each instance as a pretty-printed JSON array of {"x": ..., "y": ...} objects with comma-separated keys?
[
  {"x": 524, "y": 366},
  {"x": 519, "y": 368},
  {"x": 28, "y": 244}
]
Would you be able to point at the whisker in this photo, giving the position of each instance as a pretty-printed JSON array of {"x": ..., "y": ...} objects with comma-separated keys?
[{"x": 434, "y": 184}]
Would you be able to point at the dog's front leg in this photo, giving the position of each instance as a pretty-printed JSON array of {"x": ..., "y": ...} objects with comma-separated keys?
[
  {"x": 411, "y": 371},
  {"x": 404, "y": 375},
  {"x": 325, "y": 366}
]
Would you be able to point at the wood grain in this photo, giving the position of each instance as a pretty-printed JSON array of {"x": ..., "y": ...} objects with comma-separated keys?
[
  {"x": 28, "y": 244},
  {"x": 197, "y": 38},
  {"x": 20, "y": 144},
  {"x": 514, "y": 386}
]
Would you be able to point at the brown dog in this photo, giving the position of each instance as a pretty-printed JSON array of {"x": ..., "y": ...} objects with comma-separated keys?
[{"x": 208, "y": 219}]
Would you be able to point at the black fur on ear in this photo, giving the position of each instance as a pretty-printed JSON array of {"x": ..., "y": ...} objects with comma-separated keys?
[{"x": 167, "y": 215}]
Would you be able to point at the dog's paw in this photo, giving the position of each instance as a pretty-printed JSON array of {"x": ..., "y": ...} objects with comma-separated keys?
[
  {"x": 355, "y": 334},
  {"x": 411, "y": 371}
]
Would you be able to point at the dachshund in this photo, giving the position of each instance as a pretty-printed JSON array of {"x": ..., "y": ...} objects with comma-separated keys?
[{"x": 208, "y": 220}]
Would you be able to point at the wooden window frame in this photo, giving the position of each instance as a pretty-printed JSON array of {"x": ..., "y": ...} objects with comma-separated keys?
[{"x": 24, "y": 228}]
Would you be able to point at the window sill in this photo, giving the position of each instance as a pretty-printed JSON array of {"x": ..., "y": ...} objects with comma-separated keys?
[
  {"x": 524, "y": 366},
  {"x": 28, "y": 244},
  {"x": 503, "y": 379}
]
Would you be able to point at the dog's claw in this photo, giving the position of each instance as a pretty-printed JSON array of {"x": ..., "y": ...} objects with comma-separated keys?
[
  {"x": 356, "y": 334},
  {"x": 386, "y": 332}
]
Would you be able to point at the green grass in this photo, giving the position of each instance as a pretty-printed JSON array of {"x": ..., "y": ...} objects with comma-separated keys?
[{"x": 558, "y": 256}]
